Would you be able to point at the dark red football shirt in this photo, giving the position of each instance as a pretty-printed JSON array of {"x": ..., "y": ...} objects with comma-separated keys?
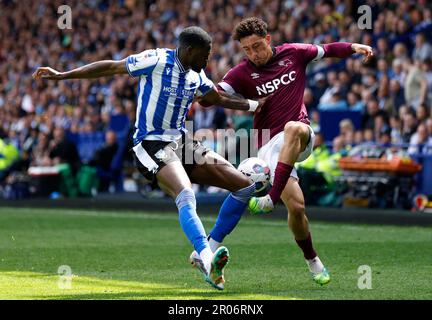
[{"x": 284, "y": 76}]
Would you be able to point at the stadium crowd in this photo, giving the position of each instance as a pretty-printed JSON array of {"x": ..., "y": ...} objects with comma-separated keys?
[{"x": 393, "y": 92}]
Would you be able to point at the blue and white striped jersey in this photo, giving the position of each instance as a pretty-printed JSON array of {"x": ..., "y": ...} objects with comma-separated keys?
[{"x": 165, "y": 93}]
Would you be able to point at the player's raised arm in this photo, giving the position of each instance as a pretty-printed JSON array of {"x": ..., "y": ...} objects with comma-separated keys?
[
  {"x": 345, "y": 49},
  {"x": 311, "y": 52},
  {"x": 93, "y": 70}
]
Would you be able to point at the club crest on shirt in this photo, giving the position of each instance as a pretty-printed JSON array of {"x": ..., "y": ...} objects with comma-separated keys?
[
  {"x": 192, "y": 85},
  {"x": 161, "y": 155},
  {"x": 285, "y": 62},
  {"x": 144, "y": 55}
]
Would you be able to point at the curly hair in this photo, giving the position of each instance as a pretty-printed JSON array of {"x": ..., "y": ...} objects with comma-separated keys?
[{"x": 249, "y": 27}]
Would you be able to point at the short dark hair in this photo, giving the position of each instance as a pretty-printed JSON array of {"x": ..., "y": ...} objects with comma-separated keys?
[
  {"x": 329, "y": 3},
  {"x": 249, "y": 27},
  {"x": 194, "y": 37}
]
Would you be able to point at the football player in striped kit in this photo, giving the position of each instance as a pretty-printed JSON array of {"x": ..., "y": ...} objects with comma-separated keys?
[{"x": 169, "y": 81}]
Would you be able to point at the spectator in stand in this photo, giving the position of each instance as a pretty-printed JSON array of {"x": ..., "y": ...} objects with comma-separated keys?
[
  {"x": 372, "y": 111},
  {"x": 383, "y": 51},
  {"x": 383, "y": 69},
  {"x": 40, "y": 153},
  {"x": 383, "y": 95},
  {"x": 335, "y": 102},
  {"x": 423, "y": 49},
  {"x": 428, "y": 147},
  {"x": 62, "y": 150},
  {"x": 398, "y": 71},
  {"x": 354, "y": 69},
  {"x": 358, "y": 137},
  {"x": 403, "y": 110},
  {"x": 368, "y": 136},
  {"x": 309, "y": 100},
  {"x": 345, "y": 83},
  {"x": 315, "y": 121},
  {"x": 422, "y": 113},
  {"x": 400, "y": 35},
  {"x": 418, "y": 139},
  {"x": 385, "y": 137},
  {"x": 346, "y": 132},
  {"x": 354, "y": 102},
  {"x": 409, "y": 126},
  {"x": 396, "y": 95},
  {"x": 9, "y": 155},
  {"x": 400, "y": 51},
  {"x": 380, "y": 125},
  {"x": 426, "y": 82},
  {"x": 103, "y": 158},
  {"x": 396, "y": 130},
  {"x": 333, "y": 86},
  {"x": 413, "y": 83},
  {"x": 319, "y": 87}
]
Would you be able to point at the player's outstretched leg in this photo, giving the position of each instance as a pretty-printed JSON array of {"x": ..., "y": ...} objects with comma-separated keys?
[
  {"x": 293, "y": 199},
  {"x": 217, "y": 171},
  {"x": 297, "y": 136},
  {"x": 173, "y": 179},
  {"x": 229, "y": 216}
]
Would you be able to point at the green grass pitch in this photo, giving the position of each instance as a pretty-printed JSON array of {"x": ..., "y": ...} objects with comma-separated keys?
[{"x": 138, "y": 255}]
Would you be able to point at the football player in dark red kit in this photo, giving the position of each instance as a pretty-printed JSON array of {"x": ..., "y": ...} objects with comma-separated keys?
[{"x": 280, "y": 73}]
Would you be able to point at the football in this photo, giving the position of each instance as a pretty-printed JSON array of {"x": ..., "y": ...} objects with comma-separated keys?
[{"x": 259, "y": 172}]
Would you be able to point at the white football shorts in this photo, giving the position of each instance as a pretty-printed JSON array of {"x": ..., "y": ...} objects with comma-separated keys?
[{"x": 270, "y": 152}]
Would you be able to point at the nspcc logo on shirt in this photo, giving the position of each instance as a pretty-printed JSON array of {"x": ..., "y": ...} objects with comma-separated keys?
[{"x": 274, "y": 84}]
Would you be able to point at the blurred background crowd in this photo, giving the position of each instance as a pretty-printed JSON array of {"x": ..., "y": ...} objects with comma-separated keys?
[{"x": 43, "y": 123}]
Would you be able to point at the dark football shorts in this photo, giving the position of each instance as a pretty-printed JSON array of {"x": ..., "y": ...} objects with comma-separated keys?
[{"x": 152, "y": 155}]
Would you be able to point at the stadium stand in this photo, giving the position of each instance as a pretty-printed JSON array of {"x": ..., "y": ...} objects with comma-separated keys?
[{"x": 390, "y": 96}]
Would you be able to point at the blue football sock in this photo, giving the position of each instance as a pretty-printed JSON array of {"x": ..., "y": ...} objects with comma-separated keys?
[
  {"x": 189, "y": 220},
  {"x": 230, "y": 212}
]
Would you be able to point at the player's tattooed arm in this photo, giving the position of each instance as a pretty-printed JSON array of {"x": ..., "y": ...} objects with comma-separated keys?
[
  {"x": 89, "y": 71},
  {"x": 221, "y": 98}
]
